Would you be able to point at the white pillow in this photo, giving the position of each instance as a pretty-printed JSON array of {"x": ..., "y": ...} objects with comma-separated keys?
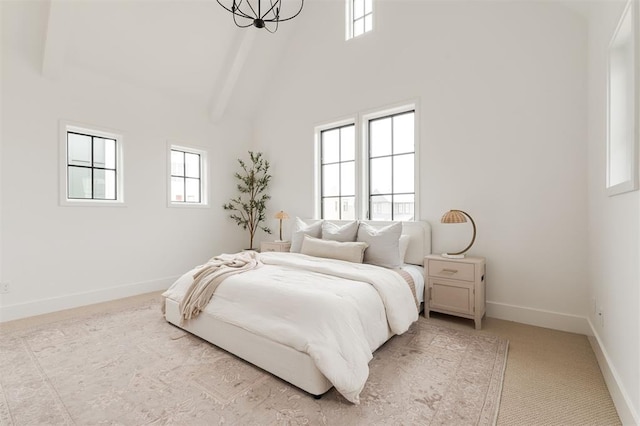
[
  {"x": 300, "y": 229},
  {"x": 404, "y": 245},
  {"x": 384, "y": 244},
  {"x": 347, "y": 251},
  {"x": 344, "y": 233}
]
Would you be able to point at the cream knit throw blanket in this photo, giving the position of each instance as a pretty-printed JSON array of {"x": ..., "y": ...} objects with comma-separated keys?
[{"x": 208, "y": 277}]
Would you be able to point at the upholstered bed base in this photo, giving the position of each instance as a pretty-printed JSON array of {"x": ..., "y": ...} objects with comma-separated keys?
[{"x": 283, "y": 361}]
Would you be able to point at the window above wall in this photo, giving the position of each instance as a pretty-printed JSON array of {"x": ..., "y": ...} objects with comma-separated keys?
[
  {"x": 90, "y": 166},
  {"x": 359, "y": 17}
]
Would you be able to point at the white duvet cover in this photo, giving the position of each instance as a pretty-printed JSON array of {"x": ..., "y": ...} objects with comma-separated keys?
[{"x": 337, "y": 312}]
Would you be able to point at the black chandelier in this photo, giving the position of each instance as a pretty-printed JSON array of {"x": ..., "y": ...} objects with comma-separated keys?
[{"x": 252, "y": 12}]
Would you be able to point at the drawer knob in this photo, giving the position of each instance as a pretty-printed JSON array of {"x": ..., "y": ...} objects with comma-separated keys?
[{"x": 450, "y": 271}]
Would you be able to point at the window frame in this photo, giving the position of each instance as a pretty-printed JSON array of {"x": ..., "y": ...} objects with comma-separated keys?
[
  {"x": 66, "y": 127},
  {"x": 340, "y": 161},
  {"x": 204, "y": 170},
  {"x": 366, "y": 122},
  {"x": 350, "y": 19},
  {"x": 317, "y": 168},
  {"x": 361, "y": 131}
]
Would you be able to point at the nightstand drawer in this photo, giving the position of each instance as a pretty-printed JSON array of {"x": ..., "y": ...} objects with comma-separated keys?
[{"x": 451, "y": 270}]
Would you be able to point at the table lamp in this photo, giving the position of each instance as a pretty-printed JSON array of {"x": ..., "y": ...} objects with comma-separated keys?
[
  {"x": 281, "y": 215},
  {"x": 458, "y": 216}
]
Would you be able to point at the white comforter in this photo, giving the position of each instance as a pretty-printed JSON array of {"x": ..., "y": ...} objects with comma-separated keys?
[{"x": 337, "y": 312}]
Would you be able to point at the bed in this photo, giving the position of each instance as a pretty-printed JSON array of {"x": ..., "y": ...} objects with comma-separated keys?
[{"x": 298, "y": 362}]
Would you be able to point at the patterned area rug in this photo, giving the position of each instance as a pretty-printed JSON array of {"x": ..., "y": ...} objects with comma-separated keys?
[{"x": 132, "y": 368}]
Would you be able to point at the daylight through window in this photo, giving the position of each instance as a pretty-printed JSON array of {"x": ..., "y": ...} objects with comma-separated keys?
[
  {"x": 338, "y": 155},
  {"x": 92, "y": 166},
  {"x": 186, "y": 176},
  {"x": 391, "y": 167},
  {"x": 359, "y": 17},
  {"x": 369, "y": 174}
]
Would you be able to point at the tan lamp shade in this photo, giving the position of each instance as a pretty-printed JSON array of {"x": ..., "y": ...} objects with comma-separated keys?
[
  {"x": 453, "y": 216},
  {"x": 458, "y": 216},
  {"x": 281, "y": 215}
]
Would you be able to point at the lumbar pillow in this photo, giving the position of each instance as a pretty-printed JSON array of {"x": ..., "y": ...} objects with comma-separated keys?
[
  {"x": 300, "y": 229},
  {"x": 344, "y": 233},
  {"x": 384, "y": 244},
  {"x": 349, "y": 251}
]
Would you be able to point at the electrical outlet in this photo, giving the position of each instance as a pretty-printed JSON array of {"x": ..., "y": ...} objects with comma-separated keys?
[{"x": 4, "y": 288}]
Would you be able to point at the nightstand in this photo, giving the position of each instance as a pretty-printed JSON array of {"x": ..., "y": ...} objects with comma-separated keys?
[
  {"x": 455, "y": 287},
  {"x": 275, "y": 246}
]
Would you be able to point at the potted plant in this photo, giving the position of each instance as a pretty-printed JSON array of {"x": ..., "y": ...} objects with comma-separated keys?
[{"x": 248, "y": 208}]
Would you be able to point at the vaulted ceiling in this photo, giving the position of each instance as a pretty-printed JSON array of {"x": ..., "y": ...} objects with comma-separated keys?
[
  {"x": 184, "y": 49},
  {"x": 188, "y": 49}
]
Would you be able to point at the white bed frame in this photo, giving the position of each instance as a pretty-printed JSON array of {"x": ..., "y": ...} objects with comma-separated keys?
[{"x": 282, "y": 361}]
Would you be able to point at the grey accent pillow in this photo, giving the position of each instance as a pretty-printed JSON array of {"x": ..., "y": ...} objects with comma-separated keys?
[
  {"x": 343, "y": 233},
  {"x": 384, "y": 244},
  {"x": 302, "y": 228}
]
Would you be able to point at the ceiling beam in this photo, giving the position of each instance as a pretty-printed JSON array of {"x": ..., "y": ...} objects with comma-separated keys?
[
  {"x": 56, "y": 37},
  {"x": 230, "y": 73}
]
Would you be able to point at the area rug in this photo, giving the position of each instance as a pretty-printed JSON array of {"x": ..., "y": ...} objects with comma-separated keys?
[{"x": 130, "y": 367}]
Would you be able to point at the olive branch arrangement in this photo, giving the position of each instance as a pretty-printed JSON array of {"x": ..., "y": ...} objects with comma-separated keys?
[{"x": 248, "y": 209}]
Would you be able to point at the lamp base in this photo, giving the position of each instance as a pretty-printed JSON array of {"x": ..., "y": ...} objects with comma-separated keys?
[{"x": 453, "y": 256}]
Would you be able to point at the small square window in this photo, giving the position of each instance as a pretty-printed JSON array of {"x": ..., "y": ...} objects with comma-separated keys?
[
  {"x": 187, "y": 176},
  {"x": 91, "y": 166}
]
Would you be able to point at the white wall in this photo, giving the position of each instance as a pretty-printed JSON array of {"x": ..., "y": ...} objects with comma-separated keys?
[
  {"x": 505, "y": 130},
  {"x": 1, "y": 144},
  {"x": 57, "y": 257},
  {"x": 502, "y": 103},
  {"x": 614, "y": 243}
]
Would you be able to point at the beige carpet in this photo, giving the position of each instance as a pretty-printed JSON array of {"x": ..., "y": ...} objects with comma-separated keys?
[
  {"x": 128, "y": 366},
  {"x": 552, "y": 377}
]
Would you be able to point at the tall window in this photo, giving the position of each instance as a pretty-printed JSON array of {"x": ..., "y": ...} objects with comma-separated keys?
[
  {"x": 92, "y": 166},
  {"x": 391, "y": 167},
  {"x": 368, "y": 174},
  {"x": 338, "y": 173},
  {"x": 359, "y": 17},
  {"x": 187, "y": 176}
]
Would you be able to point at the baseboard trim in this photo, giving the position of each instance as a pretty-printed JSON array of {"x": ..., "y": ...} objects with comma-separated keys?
[
  {"x": 539, "y": 317},
  {"x": 54, "y": 304},
  {"x": 628, "y": 415}
]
